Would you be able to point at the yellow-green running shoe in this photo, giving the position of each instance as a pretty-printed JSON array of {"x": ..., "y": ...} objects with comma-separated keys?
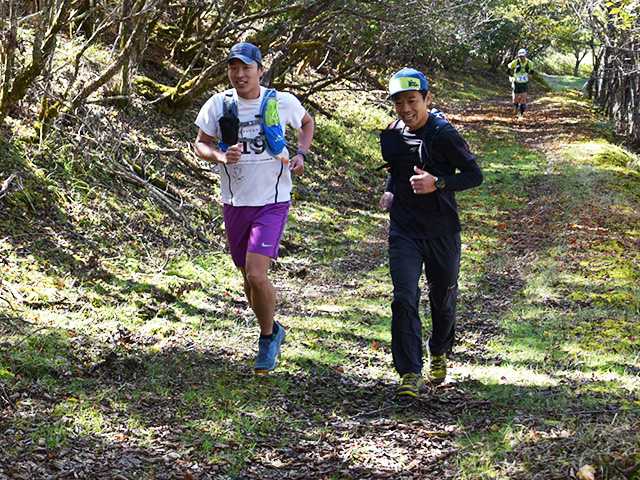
[
  {"x": 412, "y": 385},
  {"x": 437, "y": 369}
]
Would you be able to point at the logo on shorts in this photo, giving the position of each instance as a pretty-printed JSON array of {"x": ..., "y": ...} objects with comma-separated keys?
[{"x": 264, "y": 245}]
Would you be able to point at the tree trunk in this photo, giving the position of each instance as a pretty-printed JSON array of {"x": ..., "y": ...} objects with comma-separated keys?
[
  {"x": 125, "y": 34},
  {"x": 52, "y": 19},
  {"x": 141, "y": 21},
  {"x": 8, "y": 45}
]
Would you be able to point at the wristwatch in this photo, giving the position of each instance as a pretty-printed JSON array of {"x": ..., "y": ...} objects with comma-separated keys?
[{"x": 440, "y": 182}]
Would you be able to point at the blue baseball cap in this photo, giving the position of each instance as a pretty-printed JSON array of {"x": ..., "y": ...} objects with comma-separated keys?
[
  {"x": 407, "y": 79},
  {"x": 247, "y": 52}
]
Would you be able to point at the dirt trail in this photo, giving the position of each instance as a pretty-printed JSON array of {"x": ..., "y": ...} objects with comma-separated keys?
[{"x": 424, "y": 431}]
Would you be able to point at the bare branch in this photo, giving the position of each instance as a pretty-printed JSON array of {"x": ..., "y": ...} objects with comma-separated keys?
[{"x": 168, "y": 198}]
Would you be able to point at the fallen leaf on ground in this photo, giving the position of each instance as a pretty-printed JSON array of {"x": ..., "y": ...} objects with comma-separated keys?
[{"x": 587, "y": 472}]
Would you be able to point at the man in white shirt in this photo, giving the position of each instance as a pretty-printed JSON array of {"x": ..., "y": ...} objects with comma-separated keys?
[{"x": 256, "y": 186}]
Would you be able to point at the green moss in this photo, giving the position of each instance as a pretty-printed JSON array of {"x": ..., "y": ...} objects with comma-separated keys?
[
  {"x": 150, "y": 89},
  {"x": 616, "y": 299},
  {"x": 168, "y": 32},
  {"x": 614, "y": 156}
]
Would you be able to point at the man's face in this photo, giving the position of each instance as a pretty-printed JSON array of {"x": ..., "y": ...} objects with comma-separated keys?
[
  {"x": 522, "y": 58},
  {"x": 245, "y": 78},
  {"x": 412, "y": 108}
]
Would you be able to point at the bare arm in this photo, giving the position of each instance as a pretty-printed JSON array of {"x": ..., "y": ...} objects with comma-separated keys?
[{"x": 305, "y": 136}]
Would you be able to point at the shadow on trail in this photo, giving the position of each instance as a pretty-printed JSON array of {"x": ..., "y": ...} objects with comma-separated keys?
[
  {"x": 192, "y": 412},
  {"x": 546, "y": 226}
]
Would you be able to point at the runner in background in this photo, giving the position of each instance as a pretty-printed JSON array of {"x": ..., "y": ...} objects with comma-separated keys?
[{"x": 519, "y": 71}]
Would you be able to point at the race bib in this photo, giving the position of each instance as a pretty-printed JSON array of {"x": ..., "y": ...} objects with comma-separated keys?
[
  {"x": 522, "y": 77},
  {"x": 248, "y": 132}
]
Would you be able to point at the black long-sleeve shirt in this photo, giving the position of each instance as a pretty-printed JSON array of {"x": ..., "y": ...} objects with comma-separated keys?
[{"x": 440, "y": 150}]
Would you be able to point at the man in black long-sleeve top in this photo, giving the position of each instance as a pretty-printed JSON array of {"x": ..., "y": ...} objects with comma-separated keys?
[{"x": 428, "y": 162}]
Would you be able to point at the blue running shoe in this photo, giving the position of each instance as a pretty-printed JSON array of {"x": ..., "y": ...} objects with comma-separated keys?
[{"x": 269, "y": 351}]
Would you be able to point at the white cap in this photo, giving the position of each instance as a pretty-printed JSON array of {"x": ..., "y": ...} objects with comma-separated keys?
[{"x": 522, "y": 52}]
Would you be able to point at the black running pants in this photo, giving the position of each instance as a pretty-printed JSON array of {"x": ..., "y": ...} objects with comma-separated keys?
[{"x": 441, "y": 260}]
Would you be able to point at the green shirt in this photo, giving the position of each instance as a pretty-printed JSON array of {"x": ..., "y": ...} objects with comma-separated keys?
[{"x": 520, "y": 71}]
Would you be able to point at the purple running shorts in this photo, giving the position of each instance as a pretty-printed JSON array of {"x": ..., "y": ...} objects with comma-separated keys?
[{"x": 255, "y": 230}]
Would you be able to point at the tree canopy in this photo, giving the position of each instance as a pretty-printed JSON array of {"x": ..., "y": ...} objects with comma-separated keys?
[{"x": 172, "y": 52}]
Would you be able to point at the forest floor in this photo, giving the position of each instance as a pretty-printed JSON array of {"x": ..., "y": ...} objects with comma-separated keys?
[{"x": 543, "y": 382}]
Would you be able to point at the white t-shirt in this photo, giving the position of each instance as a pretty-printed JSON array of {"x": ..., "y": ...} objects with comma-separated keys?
[{"x": 258, "y": 179}]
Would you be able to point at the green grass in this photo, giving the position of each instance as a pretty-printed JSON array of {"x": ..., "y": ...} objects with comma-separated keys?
[{"x": 565, "y": 82}]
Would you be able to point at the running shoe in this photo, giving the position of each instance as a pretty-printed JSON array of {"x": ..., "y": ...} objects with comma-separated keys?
[
  {"x": 269, "y": 351},
  {"x": 437, "y": 369},
  {"x": 412, "y": 385}
]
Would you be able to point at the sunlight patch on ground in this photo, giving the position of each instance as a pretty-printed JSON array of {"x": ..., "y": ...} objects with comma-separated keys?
[
  {"x": 387, "y": 454},
  {"x": 629, "y": 383},
  {"x": 602, "y": 153},
  {"x": 585, "y": 150},
  {"x": 315, "y": 214},
  {"x": 332, "y": 308},
  {"x": 504, "y": 375},
  {"x": 565, "y": 82}
]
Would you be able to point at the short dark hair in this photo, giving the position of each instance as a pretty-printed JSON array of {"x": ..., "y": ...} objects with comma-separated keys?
[{"x": 422, "y": 92}]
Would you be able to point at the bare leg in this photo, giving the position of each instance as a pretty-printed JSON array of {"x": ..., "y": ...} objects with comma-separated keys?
[{"x": 260, "y": 291}]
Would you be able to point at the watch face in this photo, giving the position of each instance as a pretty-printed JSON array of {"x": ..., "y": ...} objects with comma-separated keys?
[{"x": 440, "y": 183}]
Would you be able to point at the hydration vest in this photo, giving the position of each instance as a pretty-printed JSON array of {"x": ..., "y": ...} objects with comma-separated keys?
[
  {"x": 271, "y": 132},
  {"x": 392, "y": 145},
  {"x": 520, "y": 78},
  {"x": 519, "y": 67}
]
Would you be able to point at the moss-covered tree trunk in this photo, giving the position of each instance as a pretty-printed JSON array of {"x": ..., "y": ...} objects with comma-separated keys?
[
  {"x": 53, "y": 17},
  {"x": 143, "y": 14},
  {"x": 8, "y": 45}
]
